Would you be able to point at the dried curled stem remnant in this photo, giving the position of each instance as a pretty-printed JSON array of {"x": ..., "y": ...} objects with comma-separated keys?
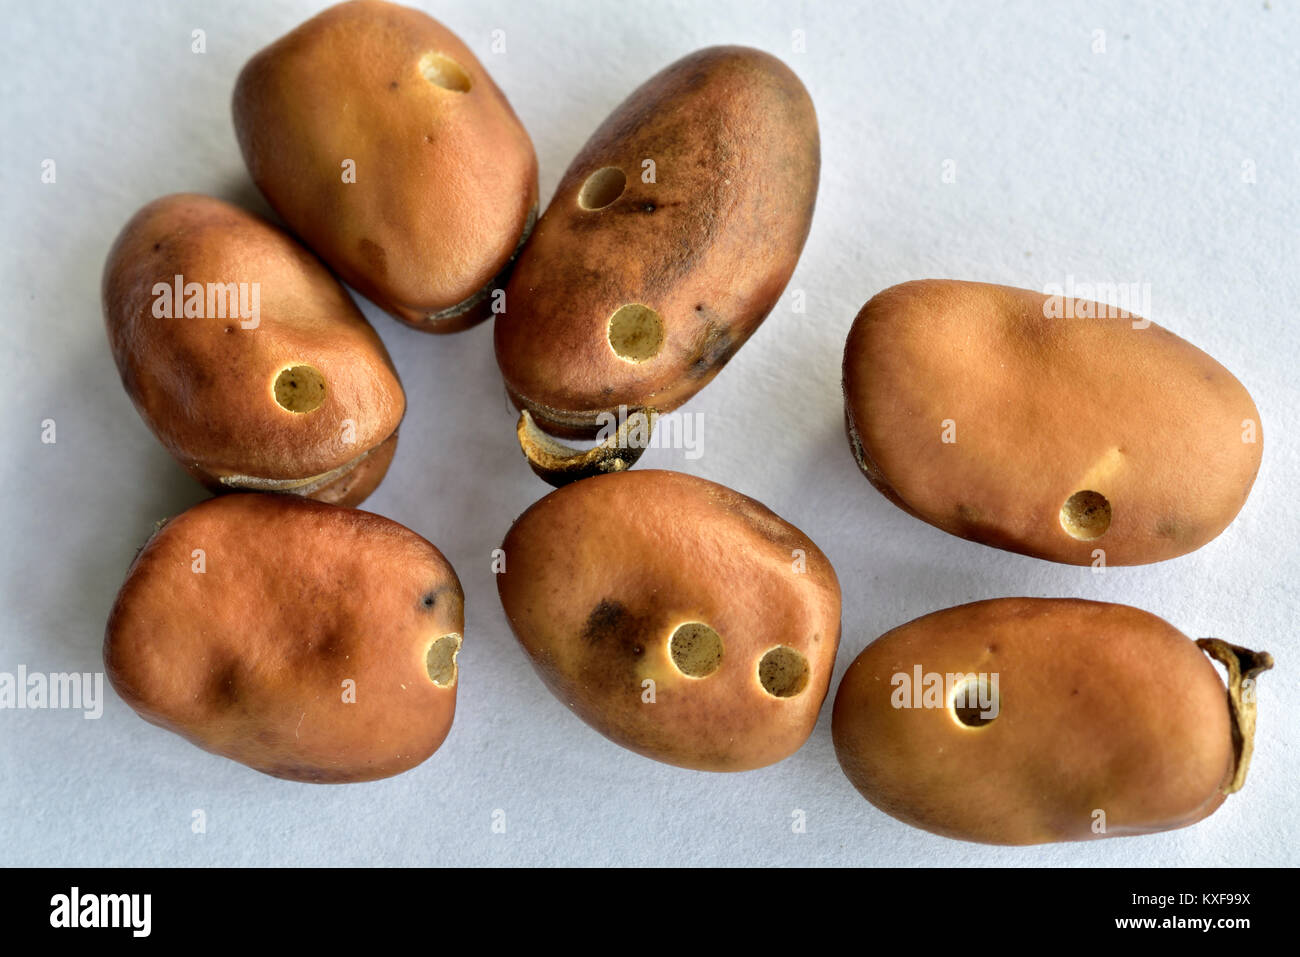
[
  {"x": 298, "y": 486},
  {"x": 1243, "y": 665},
  {"x": 558, "y": 465}
]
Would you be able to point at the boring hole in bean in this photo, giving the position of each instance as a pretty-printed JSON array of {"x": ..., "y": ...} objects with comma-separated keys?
[
  {"x": 696, "y": 649},
  {"x": 602, "y": 188},
  {"x": 441, "y": 70},
  {"x": 783, "y": 672},
  {"x": 440, "y": 660},
  {"x": 1086, "y": 515},
  {"x": 973, "y": 702},
  {"x": 299, "y": 389},
  {"x": 636, "y": 333}
]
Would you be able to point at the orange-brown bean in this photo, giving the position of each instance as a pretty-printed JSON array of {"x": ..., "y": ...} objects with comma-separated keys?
[
  {"x": 670, "y": 238},
  {"x": 1049, "y": 426},
  {"x": 1097, "y": 720},
  {"x": 301, "y": 397},
  {"x": 677, "y": 617},
  {"x": 307, "y": 641},
  {"x": 383, "y": 142}
]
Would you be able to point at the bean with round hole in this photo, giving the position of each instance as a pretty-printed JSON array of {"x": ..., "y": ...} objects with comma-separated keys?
[
  {"x": 245, "y": 357},
  {"x": 1055, "y": 427},
  {"x": 670, "y": 238},
  {"x": 1033, "y": 720},
  {"x": 678, "y": 618},
  {"x": 307, "y": 641},
  {"x": 383, "y": 142}
]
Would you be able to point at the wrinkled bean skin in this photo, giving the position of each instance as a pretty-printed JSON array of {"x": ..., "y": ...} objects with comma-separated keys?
[
  {"x": 709, "y": 244},
  {"x": 205, "y": 385},
  {"x": 1102, "y": 707},
  {"x": 445, "y": 188},
  {"x": 251, "y": 657},
  {"x": 601, "y": 573},
  {"x": 971, "y": 409}
]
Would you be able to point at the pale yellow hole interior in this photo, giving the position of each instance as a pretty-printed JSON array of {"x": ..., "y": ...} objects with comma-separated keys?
[
  {"x": 441, "y": 70},
  {"x": 696, "y": 649},
  {"x": 300, "y": 389},
  {"x": 783, "y": 672},
  {"x": 1086, "y": 515},
  {"x": 440, "y": 660},
  {"x": 602, "y": 188},
  {"x": 965, "y": 704},
  {"x": 636, "y": 333}
]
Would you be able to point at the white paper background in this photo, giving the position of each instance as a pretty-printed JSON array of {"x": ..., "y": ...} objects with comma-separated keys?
[{"x": 1122, "y": 166}]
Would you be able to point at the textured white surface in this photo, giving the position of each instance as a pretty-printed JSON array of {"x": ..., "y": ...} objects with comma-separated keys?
[{"x": 1122, "y": 166}]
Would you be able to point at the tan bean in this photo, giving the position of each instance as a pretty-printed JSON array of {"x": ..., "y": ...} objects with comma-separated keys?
[
  {"x": 1030, "y": 720},
  {"x": 383, "y": 142},
  {"x": 1045, "y": 425}
]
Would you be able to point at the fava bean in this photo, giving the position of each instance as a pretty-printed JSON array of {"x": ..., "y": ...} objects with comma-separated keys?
[
  {"x": 381, "y": 140},
  {"x": 308, "y": 641},
  {"x": 680, "y": 619},
  {"x": 246, "y": 357},
  {"x": 1049, "y": 426},
  {"x": 1031, "y": 720}
]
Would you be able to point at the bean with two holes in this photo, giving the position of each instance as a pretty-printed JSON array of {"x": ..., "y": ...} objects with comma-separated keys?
[
  {"x": 670, "y": 238},
  {"x": 678, "y": 618}
]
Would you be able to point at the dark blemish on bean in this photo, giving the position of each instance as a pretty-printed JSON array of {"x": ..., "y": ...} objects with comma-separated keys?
[
  {"x": 648, "y": 208},
  {"x": 616, "y": 640},
  {"x": 605, "y": 619},
  {"x": 392, "y": 85},
  {"x": 766, "y": 523},
  {"x": 330, "y": 644},
  {"x": 434, "y": 597},
  {"x": 225, "y": 684},
  {"x": 714, "y": 347},
  {"x": 157, "y": 246},
  {"x": 374, "y": 255},
  {"x": 230, "y": 328},
  {"x": 697, "y": 78},
  {"x": 969, "y": 521}
]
